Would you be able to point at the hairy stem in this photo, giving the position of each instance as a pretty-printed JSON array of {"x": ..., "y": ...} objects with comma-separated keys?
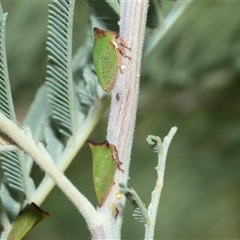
[
  {"x": 123, "y": 109},
  {"x": 69, "y": 153},
  {"x": 156, "y": 194},
  {"x": 43, "y": 159},
  {"x": 122, "y": 116}
]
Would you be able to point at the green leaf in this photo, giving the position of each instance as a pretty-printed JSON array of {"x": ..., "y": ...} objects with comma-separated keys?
[
  {"x": 12, "y": 163},
  {"x": 61, "y": 93},
  {"x": 26, "y": 220},
  {"x": 104, "y": 156},
  {"x": 6, "y": 103}
]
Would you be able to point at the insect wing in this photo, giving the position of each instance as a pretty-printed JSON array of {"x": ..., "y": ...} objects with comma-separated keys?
[{"x": 105, "y": 58}]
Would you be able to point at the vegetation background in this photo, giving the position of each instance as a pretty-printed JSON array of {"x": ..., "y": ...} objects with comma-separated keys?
[{"x": 191, "y": 80}]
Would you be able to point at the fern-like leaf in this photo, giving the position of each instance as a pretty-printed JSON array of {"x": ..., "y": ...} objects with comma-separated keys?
[
  {"x": 12, "y": 170},
  {"x": 6, "y": 104},
  {"x": 140, "y": 212},
  {"x": 12, "y": 181},
  {"x": 10, "y": 160},
  {"x": 59, "y": 69}
]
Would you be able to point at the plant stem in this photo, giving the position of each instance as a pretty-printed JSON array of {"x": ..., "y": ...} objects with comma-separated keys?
[
  {"x": 123, "y": 109},
  {"x": 95, "y": 112},
  {"x": 122, "y": 116},
  {"x": 43, "y": 159},
  {"x": 156, "y": 194}
]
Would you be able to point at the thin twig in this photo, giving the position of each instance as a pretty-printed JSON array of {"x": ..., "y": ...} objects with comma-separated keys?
[{"x": 153, "y": 206}]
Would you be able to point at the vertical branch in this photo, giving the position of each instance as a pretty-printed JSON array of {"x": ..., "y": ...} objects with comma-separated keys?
[
  {"x": 122, "y": 116},
  {"x": 123, "y": 107},
  {"x": 162, "y": 149}
]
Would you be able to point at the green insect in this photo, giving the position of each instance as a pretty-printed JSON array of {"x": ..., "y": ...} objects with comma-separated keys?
[
  {"x": 105, "y": 162},
  {"x": 28, "y": 217},
  {"x": 107, "y": 50}
]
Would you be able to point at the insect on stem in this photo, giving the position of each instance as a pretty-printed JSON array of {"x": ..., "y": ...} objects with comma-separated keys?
[{"x": 108, "y": 49}]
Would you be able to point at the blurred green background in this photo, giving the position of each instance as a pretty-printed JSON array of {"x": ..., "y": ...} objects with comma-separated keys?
[{"x": 191, "y": 80}]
